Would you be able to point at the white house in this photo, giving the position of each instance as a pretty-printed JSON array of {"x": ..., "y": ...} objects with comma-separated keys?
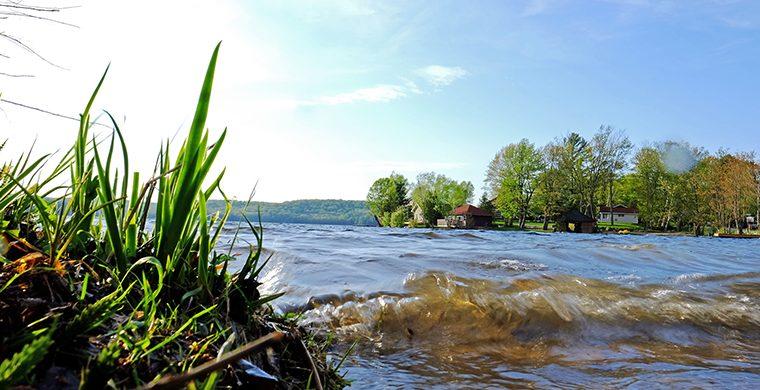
[
  {"x": 417, "y": 215},
  {"x": 619, "y": 213}
]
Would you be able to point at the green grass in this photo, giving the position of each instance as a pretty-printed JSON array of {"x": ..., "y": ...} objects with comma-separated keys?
[
  {"x": 534, "y": 225},
  {"x": 87, "y": 287},
  {"x": 619, "y": 226},
  {"x": 529, "y": 225}
]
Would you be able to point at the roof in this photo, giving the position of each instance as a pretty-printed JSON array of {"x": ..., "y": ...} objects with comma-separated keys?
[
  {"x": 468, "y": 209},
  {"x": 619, "y": 209},
  {"x": 575, "y": 216}
]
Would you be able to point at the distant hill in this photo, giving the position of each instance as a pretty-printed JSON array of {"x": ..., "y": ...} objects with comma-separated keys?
[{"x": 325, "y": 211}]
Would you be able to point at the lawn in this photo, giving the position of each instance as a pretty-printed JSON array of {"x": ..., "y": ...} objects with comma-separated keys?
[
  {"x": 619, "y": 226},
  {"x": 529, "y": 225}
]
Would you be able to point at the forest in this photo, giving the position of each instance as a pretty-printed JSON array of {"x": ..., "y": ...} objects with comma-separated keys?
[{"x": 311, "y": 211}]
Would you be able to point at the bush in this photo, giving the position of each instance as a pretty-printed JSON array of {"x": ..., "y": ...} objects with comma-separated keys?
[{"x": 398, "y": 217}]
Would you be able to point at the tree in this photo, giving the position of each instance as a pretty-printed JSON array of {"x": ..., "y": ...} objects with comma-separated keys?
[
  {"x": 437, "y": 195},
  {"x": 737, "y": 185},
  {"x": 386, "y": 196},
  {"x": 650, "y": 174},
  {"x": 573, "y": 153},
  {"x": 702, "y": 184},
  {"x": 624, "y": 191},
  {"x": 549, "y": 192},
  {"x": 398, "y": 217},
  {"x": 581, "y": 171},
  {"x": 756, "y": 172},
  {"x": 513, "y": 177},
  {"x": 610, "y": 151},
  {"x": 485, "y": 203}
]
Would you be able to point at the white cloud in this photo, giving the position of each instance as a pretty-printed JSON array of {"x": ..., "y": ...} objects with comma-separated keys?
[
  {"x": 381, "y": 93},
  {"x": 441, "y": 76},
  {"x": 377, "y": 94}
]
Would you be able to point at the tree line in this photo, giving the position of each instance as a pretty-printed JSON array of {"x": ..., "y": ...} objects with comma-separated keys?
[
  {"x": 394, "y": 201},
  {"x": 308, "y": 211},
  {"x": 674, "y": 185}
]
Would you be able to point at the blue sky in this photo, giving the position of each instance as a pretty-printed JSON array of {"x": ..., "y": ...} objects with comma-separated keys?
[{"x": 322, "y": 97}]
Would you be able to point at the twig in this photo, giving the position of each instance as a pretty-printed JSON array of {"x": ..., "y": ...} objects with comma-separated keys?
[
  {"x": 49, "y": 112},
  {"x": 178, "y": 381},
  {"x": 314, "y": 372},
  {"x": 26, "y": 15},
  {"x": 15, "y": 75},
  {"x": 28, "y": 48},
  {"x": 35, "y": 8}
]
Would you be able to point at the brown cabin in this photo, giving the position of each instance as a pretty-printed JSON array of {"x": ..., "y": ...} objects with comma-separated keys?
[
  {"x": 575, "y": 222},
  {"x": 468, "y": 216}
]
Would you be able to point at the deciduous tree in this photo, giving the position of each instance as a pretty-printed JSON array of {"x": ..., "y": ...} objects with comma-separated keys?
[
  {"x": 386, "y": 196},
  {"x": 437, "y": 195},
  {"x": 513, "y": 177}
]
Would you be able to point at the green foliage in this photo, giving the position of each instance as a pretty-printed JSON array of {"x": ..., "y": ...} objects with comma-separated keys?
[
  {"x": 508, "y": 199},
  {"x": 680, "y": 186},
  {"x": 437, "y": 195},
  {"x": 650, "y": 180},
  {"x": 322, "y": 211},
  {"x": 386, "y": 195},
  {"x": 21, "y": 364},
  {"x": 96, "y": 313},
  {"x": 485, "y": 203},
  {"x": 180, "y": 186},
  {"x": 513, "y": 178},
  {"x": 398, "y": 217},
  {"x": 83, "y": 246}
]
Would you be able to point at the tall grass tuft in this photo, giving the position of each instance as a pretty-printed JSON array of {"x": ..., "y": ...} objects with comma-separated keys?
[{"x": 86, "y": 285}]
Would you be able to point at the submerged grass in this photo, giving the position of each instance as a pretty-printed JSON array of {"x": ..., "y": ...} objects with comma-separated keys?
[{"x": 91, "y": 298}]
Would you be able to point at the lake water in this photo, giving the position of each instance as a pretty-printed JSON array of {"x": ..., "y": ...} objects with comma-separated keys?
[{"x": 489, "y": 309}]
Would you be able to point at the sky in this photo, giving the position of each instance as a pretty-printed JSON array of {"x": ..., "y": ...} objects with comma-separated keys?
[{"x": 320, "y": 98}]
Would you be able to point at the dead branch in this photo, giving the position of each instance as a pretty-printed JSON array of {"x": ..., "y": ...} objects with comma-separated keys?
[
  {"x": 178, "y": 381},
  {"x": 42, "y": 110}
]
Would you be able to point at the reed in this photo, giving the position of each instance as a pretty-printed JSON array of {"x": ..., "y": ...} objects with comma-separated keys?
[{"x": 88, "y": 293}]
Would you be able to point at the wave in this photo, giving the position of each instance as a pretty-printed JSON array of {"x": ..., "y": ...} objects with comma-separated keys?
[
  {"x": 510, "y": 264},
  {"x": 469, "y": 235},
  {"x": 410, "y": 254},
  {"x": 547, "y": 314},
  {"x": 632, "y": 247},
  {"x": 418, "y": 234},
  {"x": 699, "y": 277}
]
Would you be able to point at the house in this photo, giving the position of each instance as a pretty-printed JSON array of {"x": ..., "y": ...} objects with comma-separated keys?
[
  {"x": 417, "y": 215},
  {"x": 751, "y": 222},
  {"x": 468, "y": 216},
  {"x": 619, "y": 213},
  {"x": 576, "y": 222}
]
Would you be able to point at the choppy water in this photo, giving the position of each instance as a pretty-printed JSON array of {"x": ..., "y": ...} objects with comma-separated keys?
[{"x": 487, "y": 309}]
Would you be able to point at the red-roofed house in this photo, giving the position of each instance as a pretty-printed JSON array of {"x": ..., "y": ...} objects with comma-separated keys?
[
  {"x": 468, "y": 216},
  {"x": 619, "y": 213}
]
